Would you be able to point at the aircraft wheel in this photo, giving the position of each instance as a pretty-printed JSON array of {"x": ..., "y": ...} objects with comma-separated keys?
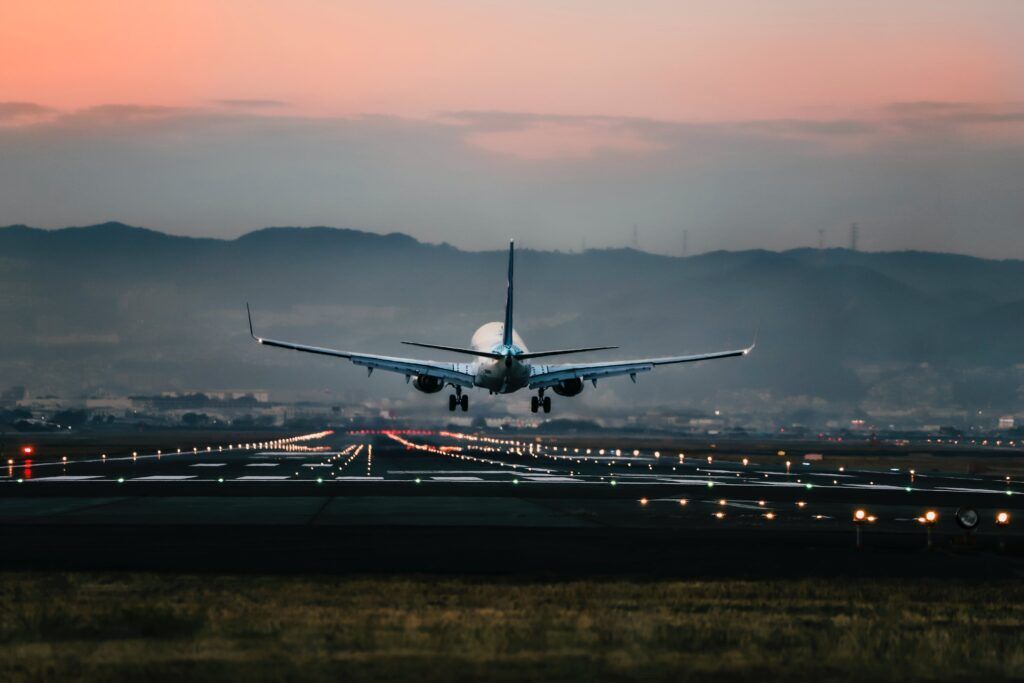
[
  {"x": 534, "y": 404},
  {"x": 464, "y": 402},
  {"x": 547, "y": 404},
  {"x": 451, "y": 402}
]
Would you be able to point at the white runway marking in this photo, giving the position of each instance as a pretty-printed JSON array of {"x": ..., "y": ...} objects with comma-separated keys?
[
  {"x": 252, "y": 478},
  {"x": 69, "y": 477},
  {"x": 542, "y": 479},
  {"x": 209, "y": 464},
  {"x": 262, "y": 464},
  {"x": 732, "y": 504},
  {"x": 447, "y": 471},
  {"x": 359, "y": 478},
  {"x": 880, "y": 487},
  {"x": 459, "y": 478},
  {"x": 165, "y": 477},
  {"x": 964, "y": 490},
  {"x": 318, "y": 464}
]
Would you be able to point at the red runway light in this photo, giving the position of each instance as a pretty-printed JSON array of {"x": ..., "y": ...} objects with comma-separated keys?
[{"x": 27, "y": 450}]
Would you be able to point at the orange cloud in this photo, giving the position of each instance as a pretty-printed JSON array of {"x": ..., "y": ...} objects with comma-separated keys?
[{"x": 705, "y": 59}]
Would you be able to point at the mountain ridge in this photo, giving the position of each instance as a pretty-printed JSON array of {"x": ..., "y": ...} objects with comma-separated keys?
[{"x": 169, "y": 314}]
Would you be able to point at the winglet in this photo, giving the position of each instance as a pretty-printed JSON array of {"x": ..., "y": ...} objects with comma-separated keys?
[
  {"x": 753, "y": 344},
  {"x": 251, "y": 333}
]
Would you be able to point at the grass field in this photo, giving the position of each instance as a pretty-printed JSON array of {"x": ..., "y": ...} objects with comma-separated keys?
[{"x": 267, "y": 628}]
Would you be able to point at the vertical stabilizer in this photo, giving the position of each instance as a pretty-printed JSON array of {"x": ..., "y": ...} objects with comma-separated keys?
[{"x": 507, "y": 332}]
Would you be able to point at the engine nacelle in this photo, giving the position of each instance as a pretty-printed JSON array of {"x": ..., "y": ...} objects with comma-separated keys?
[
  {"x": 569, "y": 387},
  {"x": 428, "y": 384}
]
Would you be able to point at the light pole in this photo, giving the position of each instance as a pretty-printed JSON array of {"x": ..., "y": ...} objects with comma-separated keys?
[
  {"x": 860, "y": 518},
  {"x": 929, "y": 519},
  {"x": 1003, "y": 521}
]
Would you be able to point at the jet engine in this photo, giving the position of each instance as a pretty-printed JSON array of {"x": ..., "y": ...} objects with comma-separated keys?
[
  {"x": 428, "y": 384},
  {"x": 569, "y": 387}
]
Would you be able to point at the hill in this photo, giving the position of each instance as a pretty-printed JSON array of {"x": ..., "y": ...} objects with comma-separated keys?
[{"x": 118, "y": 308}]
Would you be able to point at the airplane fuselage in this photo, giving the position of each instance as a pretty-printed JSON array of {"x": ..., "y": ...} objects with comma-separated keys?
[{"x": 499, "y": 376}]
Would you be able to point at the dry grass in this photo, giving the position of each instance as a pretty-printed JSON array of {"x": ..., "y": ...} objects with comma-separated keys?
[{"x": 264, "y": 628}]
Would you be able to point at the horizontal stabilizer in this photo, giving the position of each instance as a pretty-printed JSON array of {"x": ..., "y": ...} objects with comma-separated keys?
[
  {"x": 562, "y": 352},
  {"x": 457, "y": 349}
]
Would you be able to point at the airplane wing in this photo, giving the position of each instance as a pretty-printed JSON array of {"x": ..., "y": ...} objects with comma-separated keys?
[
  {"x": 550, "y": 375},
  {"x": 455, "y": 373}
]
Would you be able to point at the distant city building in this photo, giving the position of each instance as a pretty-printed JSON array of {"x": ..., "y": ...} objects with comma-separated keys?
[{"x": 1007, "y": 422}]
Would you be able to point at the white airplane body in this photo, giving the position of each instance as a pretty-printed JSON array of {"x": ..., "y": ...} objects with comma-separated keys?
[{"x": 503, "y": 363}]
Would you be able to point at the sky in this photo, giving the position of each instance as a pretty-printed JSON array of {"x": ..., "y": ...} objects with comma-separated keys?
[{"x": 564, "y": 123}]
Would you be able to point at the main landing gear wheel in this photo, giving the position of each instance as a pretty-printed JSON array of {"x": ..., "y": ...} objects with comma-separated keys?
[
  {"x": 451, "y": 402},
  {"x": 534, "y": 404},
  {"x": 464, "y": 402},
  {"x": 547, "y": 404}
]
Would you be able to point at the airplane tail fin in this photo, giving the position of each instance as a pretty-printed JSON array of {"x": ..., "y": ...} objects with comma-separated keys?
[{"x": 507, "y": 331}]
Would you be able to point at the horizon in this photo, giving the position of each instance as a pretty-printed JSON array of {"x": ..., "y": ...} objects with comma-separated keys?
[{"x": 501, "y": 249}]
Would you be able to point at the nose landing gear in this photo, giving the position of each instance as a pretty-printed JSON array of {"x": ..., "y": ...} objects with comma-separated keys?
[
  {"x": 458, "y": 399},
  {"x": 540, "y": 401}
]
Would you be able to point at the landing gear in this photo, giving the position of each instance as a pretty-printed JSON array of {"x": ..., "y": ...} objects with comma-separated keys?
[
  {"x": 547, "y": 404},
  {"x": 534, "y": 404},
  {"x": 458, "y": 399},
  {"x": 540, "y": 401}
]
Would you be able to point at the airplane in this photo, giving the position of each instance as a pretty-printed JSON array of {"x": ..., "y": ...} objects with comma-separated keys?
[{"x": 503, "y": 362}]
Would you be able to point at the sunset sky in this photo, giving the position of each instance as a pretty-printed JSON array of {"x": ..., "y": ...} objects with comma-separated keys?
[{"x": 749, "y": 123}]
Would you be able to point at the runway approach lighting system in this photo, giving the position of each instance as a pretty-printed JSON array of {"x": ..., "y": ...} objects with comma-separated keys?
[
  {"x": 928, "y": 519},
  {"x": 860, "y": 518}
]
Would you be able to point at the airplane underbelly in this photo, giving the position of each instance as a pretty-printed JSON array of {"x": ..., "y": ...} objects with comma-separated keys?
[{"x": 500, "y": 379}]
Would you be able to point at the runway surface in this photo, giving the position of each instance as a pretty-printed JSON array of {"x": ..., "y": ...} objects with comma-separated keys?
[{"x": 434, "y": 497}]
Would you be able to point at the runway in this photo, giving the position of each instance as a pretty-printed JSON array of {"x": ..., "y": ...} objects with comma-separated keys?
[{"x": 352, "y": 494}]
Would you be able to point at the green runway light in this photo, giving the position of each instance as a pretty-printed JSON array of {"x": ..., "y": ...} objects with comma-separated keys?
[
  {"x": 120, "y": 480},
  {"x": 908, "y": 489},
  {"x": 417, "y": 480},
  {"x": 711, "y": 484},
  {"x": 319, "y": 480},
  {"x": 220, "y": 480},
  {"x": 613, "y": 482},
  {"x": 515, "y": 481},
  {"x": 21, "y": 481},
  {"x": 809, "y": 486}
]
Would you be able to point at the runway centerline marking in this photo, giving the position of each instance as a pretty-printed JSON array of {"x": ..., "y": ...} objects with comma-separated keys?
[
  {"x": 165, "y": 477},
  {"x": 505, "y": 472},
  {"x": 69, "y": 477}
]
